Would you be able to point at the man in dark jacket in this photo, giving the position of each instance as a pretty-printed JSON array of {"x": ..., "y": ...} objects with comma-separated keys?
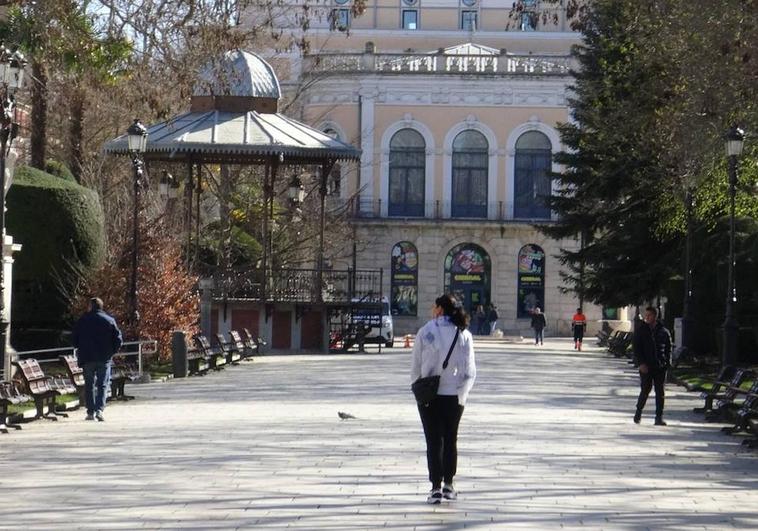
[
  {"x": 538, "y": 323},
  {"x": 97, "y": 338},
  {"x": 652, "y": 353}
]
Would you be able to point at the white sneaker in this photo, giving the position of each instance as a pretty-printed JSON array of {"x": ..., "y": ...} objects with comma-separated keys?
[
  {"x": 435, "y": 497},
  {"x": 99, "y": 416},
  {"x": 449, "y": 493}
]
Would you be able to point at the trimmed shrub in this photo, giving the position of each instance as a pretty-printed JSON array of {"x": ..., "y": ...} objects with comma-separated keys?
[
  {"x": 60, "y": 225},
  {"x": 53, "y": 167}
]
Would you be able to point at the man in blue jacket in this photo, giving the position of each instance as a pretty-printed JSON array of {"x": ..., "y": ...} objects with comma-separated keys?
[{"x": 97, "y": 338}]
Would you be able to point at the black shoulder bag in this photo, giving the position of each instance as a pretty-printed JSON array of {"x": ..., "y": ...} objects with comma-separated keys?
[{"x": 425, "y": 388}]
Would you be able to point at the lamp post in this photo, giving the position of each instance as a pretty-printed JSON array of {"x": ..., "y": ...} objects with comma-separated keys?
[
  {"x": 689, "y": 203},
  {"x": 137, "y": 138},
  {"x": 12, "y": 76},
  {"x": 735, "y": 139}
]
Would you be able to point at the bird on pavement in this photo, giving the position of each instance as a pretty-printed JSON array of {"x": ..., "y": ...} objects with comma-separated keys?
[{"x": 345, "y": 416}]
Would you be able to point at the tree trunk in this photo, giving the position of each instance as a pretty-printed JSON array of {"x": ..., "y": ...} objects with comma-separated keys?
[
  {"x": 76, "y": 131},
  {"x": 39, "y": 116}
]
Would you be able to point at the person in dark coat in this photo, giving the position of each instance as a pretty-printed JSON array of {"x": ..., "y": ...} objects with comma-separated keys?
[
  {"x": 652, "y": 353},
  {"x": 538, "y": 323},
  {"x": 96, "y": 338}
]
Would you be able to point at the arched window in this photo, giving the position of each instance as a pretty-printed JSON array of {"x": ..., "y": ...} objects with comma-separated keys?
[
  {"x": 335, "y": 176},
  {"x": 407, "y": 171},
  {"x": 470, "y": 169},
  {"x": 532, "y": 179}
]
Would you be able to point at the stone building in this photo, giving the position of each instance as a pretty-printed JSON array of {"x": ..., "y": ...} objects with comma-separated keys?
[{"x": 455, "y": 106}]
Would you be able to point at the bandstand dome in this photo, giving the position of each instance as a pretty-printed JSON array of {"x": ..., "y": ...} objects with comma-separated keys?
[{"x": 234, "y": 118}]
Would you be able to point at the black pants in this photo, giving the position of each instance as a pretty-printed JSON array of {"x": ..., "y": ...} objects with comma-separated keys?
[
  {"x": 440, "y": 420},
  {"x": 657, "y": 378},
  {"x": 578, "y": 333}
]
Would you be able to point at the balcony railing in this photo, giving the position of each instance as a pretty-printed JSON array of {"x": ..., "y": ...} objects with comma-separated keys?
[
  {"x": 499, "y": 211},
  {"x": 299, "y": 285},
  {"x": 436, "y": 63}
]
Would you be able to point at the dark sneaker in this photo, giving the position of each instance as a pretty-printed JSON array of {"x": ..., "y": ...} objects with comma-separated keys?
[
  {"x": 89, "y": 416},
  {"x": 449, "y": 493},
  {"x": 435, "y": 497},
  {"x": 637, "y": 417},
  {"x": 660, "y": 422}
]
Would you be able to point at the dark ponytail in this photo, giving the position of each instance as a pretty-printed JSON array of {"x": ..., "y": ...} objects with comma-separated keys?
[{"x": 454, "y": 310}]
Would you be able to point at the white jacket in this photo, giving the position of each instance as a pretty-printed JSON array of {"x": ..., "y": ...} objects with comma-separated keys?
[{"x": 432, "y": 344}]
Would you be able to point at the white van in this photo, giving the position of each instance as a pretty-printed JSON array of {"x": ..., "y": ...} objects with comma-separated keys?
[{"x": 379, "y": 334}]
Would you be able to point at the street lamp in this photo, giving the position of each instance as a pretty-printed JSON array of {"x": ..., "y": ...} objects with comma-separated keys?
[
  {"x": 168, "y": 187},
  {"x": 12, "y": 65},
  {"x": 296, "y": 192},
  {"x": 137, "y": 139},
  {"x": 735, "y": 139}
]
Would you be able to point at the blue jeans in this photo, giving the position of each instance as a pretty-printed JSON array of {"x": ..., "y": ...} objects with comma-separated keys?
[
  {"x": 97, "y": 378},
  {"x": 538, "y": 336}
]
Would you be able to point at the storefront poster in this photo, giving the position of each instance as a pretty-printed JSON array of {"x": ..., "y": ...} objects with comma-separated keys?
[
  {"x": 531, "y": 280},
  {"x": 404, "y": 270}
]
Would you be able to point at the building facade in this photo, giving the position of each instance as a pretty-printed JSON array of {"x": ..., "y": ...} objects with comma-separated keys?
[{"x": 455, "y": 105}]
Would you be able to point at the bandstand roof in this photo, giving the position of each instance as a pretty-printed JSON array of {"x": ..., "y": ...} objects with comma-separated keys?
[{"x": 236, "y": 121}]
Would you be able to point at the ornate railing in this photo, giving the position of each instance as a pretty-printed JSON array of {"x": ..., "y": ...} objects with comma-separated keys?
[
  {"x": 437, "y": 63},
  {"x": 299, "y": 285}
]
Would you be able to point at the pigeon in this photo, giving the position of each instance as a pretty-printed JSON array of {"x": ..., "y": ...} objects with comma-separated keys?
[{"x": 345, "y": 416}]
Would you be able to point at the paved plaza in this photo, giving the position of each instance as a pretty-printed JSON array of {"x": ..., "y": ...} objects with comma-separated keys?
[{"x": 547, "y": 441}]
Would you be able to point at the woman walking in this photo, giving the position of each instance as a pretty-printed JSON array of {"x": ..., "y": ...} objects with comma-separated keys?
[{"x": 444, "y": 333}]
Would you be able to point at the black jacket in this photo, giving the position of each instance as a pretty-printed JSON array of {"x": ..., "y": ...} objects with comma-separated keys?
[
  {"x": 538, "y": 321},
  {"x": 96, "y": 337},
  {"x": 652, "y": 346}
]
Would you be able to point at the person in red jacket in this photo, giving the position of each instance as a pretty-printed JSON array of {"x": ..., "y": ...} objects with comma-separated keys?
[{"x": 579, "y": 325}]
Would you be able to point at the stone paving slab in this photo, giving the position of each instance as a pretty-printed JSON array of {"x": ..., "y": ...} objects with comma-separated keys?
[{"x": 547, "y": 442}]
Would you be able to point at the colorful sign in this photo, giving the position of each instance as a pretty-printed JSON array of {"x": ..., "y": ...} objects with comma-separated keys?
[
  {"x": 467, "y": 274},
  {"x": 531, "y": 280},
  {"x": 404, "y": 271}
]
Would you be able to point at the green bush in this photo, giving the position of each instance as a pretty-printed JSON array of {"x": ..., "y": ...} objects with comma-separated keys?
[
  {"x": 60, "y": 225},
  {"x": 54, "y": 167}
]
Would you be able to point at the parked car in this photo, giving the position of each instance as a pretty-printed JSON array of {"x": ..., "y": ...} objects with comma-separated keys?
[{"x": 381, "y": 329}]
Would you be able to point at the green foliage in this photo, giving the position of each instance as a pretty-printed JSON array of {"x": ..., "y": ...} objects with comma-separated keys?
[
  {"x": 54, "y": 167},
  {"x": 60, "y": 225}
]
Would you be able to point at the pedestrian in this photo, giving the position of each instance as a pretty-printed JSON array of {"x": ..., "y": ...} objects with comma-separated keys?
[
  {"x": 96, "y": 338},
  {"x": 579, "y": 326},
  {"x": 478, "y": 320},
  {"x": 538, "y": 323},
  {"x": 492, "y": 317},
  {"x": 444, "y": 334},
  {"x": 652, "y": 354}
]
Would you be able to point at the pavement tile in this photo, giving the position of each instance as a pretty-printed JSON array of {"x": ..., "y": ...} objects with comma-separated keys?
[{"x": 546, "y": 442}]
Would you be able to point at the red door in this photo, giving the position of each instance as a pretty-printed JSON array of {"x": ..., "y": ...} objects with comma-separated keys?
[
  {"x": 281, "y": 330},
  {"x": 311, "y": 330},
  {"x": 245, "y": 319}
]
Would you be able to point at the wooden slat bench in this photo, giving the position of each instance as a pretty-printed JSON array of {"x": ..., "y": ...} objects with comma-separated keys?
[
  {"x": 10, "y": 395},
  {"x": 245, "y": 351},
  {"x": 121, "y": 373},
  {"x": 719, "y": 388},
  {"x": 38, "y": 386},
  {"x": 252, "y": 342},
  {"x": 216, "y": 359},
  {"x": 75, "y": 374},
  {"x": 229, "y": 349}
]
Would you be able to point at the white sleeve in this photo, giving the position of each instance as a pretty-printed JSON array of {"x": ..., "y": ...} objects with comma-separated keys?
[
  {"x": 416, "y": 355},
  {"x": 467, "y": 371}
]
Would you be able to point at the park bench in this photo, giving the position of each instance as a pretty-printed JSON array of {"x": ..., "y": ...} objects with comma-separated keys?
[
  {"x": 229, "y": 349},
  {"x": 255, "y": 343},
  {"x": 216, "y": 359},
  {"x": 746, "y": 416},
  {"x": 75, "y": 374},
  {"x": 728, "y": 402},
  {"x": 719, "y": 387},
  {"x": 122, "y": 372},
  {"x": 619, "y": 344},
  {"x": 244, "y": 350},
  {"x": 197, "y": 360},
  {"x": 39, "y": 387},
  {"x": 10, "y": 395},
  {"x": 603, "y": 336}
]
